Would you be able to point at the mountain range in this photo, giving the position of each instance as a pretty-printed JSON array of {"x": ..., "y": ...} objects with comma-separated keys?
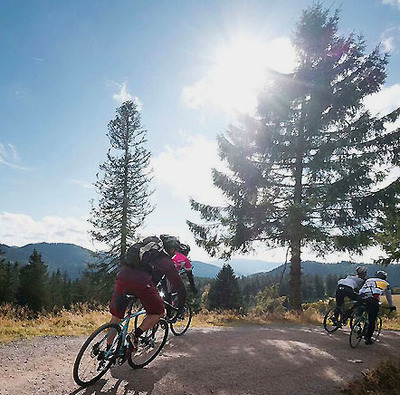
[{"x": 73, "y": 260}]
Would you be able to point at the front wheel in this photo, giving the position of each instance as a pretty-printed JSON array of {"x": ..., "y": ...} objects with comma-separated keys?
[
  {"x": 149, "y": 346},
  {"x": 94, "y": 359},
  {"x": 332, "y": 319},
  {"x": 182, "y": 323},
  {"x": 359, "y": 326}
]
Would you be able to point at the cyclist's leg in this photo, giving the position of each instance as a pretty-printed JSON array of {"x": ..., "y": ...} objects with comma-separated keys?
[
  {"x": 340, "y": 295},
  {"x": 372, "y": 306}
]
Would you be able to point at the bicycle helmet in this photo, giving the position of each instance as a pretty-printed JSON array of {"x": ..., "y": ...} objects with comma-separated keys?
[
  {"x": 170, "y": 242},
  {"x": 381, "y": 274},
  {"x": 361, "y": 271}
]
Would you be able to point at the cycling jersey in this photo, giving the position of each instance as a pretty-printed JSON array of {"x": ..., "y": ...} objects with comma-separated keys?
[
  {"x": 353, "y": 282},
  {"x": 140, "y": 283},
  {"x": 375, "y": 287},
  {"x": 181, "y": 262}
]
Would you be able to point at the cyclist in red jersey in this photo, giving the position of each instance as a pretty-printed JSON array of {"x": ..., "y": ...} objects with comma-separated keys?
[{"x": 140, "y": 282}]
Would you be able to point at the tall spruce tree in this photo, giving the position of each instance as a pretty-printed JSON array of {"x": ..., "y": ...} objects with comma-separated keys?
[
  {"x": 34, "y": 283},
  {"x": 305, "y": 171},
  {"x": 225, "y": 292},
  {"x": 122, "y": 183}
]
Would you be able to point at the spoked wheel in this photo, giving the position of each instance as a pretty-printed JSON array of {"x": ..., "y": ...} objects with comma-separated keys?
[
  {"x": 357, "y": 330},
  {"x": 332, "y": 319},
  {"x": 182, "y": 323},
  {"x": 150, "y": 345},
  {"x": 93, "y": 359},
  {"x": 378, "y": 328}
]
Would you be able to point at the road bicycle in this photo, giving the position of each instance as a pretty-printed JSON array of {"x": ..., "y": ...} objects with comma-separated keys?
[
  {"x": 360, "y": 326},
  {"x": 96, "y": 357},
  {"x": 337, "y": 317}
]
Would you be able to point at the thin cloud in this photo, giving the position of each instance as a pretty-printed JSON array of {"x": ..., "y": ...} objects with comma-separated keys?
[
  {"x": 81, "y": 183},
  {"x": 392, "y": 2},
  {"x": 384, "y": 101},
  {"x": 124, "y": 95},
  {"x": 37, "y": 59},
  {"x": 9, "y": 157}
]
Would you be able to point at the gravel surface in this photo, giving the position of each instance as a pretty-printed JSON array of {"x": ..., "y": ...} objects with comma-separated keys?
[{"x": 273, "y": 359}]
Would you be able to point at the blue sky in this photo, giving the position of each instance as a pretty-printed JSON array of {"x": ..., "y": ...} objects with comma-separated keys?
[{"x": 193, "y": 66}]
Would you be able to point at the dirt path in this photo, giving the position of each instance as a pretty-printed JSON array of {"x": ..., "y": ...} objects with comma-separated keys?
[{"x": 252, "y": 360}]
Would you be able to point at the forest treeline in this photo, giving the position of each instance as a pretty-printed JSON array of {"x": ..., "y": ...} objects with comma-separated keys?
[{"x": 33, "y": 286}]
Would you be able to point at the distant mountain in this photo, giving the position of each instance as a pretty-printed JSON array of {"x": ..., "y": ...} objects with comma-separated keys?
[
  {"x": 202, "y": 269},
  {"x": 342, "y": 269},
  {"x": 245, "y": 267},
  {"x": 68, "y": 258}
]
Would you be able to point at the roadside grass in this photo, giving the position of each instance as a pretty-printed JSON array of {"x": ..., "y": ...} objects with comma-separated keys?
[
  {"x": 383, "y": 379},
  {"x": 81, "y": 319}
]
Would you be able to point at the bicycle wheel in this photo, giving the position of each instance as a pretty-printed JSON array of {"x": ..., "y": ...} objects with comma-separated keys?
[
  {"x": 332, "y": 319},
  {"x": 150, "y": 345},
  {"x": 182, "y": 323},
  {"x": 91, "y": 362},
  {"x": 357, "y": 330},
  {"x": 378, "y": 328}
]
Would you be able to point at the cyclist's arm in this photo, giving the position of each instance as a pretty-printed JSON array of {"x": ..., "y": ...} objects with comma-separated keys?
[{"x": 388, "y": 294}]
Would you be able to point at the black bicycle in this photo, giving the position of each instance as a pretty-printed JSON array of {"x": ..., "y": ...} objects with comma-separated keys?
[
  {"x": 337, "y": 317},
  {"x": 360, "y": 326},
  {"x": 97, "y": 355}
]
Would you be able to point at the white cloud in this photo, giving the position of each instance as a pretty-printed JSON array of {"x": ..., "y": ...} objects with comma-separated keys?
[
  {"x": 186, "y": 170},
  {"x": 81, "y": 183},
  {"x": 388, "y": 44},
  {"x": 9, "y": 157},
  {"x": 392, "y": 2},
  {"x": 124, "y": 95},
  {"x": 384, "y": 101},
  {"x": 21, "y": 229}
]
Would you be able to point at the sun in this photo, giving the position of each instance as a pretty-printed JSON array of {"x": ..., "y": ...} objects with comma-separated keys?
[{"x": 240, "y": 70}]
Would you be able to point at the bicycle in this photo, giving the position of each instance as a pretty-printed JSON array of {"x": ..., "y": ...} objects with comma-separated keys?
[
  {"x": 360, "y": 326},
  {"x": 95, "y": 357},
  {"x": 179, "y": 322},
  {"x": 336, "y": 317}
]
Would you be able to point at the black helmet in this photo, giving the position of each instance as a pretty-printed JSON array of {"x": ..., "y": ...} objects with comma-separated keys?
[
  {"x": 170, "y": 242},
  {"x": 184, "y": 249},
  {"x": 361, "y": 271},
  {"x": 381, "y": 274}
]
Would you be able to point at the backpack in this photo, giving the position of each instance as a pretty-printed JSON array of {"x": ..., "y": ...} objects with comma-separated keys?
[{"x": 140, "y": 254}]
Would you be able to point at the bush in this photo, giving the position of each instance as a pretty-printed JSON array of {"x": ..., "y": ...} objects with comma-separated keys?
[
  {"x": 384, "y": 379},
  {"x": 268, "y": 302}
]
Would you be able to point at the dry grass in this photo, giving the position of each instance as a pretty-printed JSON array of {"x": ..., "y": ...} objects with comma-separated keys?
[{"x": 384, "y": 379}]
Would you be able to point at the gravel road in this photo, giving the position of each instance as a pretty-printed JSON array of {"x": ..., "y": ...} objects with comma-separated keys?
[{"x": 273, "y": 359}]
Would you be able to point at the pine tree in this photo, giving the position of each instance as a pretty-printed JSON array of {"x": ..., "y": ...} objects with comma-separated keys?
[
  {"x": 34, "y": 280},
  {"x": 3, "y": 278},
  {"x": 122, "y": 183},
  {"x": 224, "y": 292},
  {"x": 303, "y": 172}
]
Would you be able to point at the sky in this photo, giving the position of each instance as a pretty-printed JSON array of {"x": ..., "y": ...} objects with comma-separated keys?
[{"x": 193, "y": 67}]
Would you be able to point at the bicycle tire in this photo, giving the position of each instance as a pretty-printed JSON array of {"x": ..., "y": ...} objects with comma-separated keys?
[
  {"x": 358, "y": 329},
  {"x": 150, "y": 344},
  {"x": 181, "y": 325},
  {"x": 90, "y": 367},
  {"x": 332, "y": 319},
  {"x": 378, "y": 328}
]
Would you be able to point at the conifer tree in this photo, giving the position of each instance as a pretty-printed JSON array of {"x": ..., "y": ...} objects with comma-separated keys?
[
  {"x": 122, "y": 183},
  {"x": 304, "y": 173},
  {"x": 224, "y": 292},
  {"x": 34, "y": 281}
]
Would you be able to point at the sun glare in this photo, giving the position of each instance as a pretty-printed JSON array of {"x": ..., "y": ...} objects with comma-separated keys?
[{"x": 240, "y": 71}]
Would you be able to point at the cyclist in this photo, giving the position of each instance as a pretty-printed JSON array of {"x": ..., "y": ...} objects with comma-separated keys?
[
  {"x": 181, "y": 261},
  {"x": 370, "y": 294},
  {"x": 350, "y": 286},
  {"x": 139, "y": 280}
]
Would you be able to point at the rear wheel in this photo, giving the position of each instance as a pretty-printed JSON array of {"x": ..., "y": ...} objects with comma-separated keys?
[
  {"x": 93, "y": 359},
  {"x": 332, "y": 319},
  {"x": 149, "y": 346},
  {"x": 182, "y": 323},
  {"x": 359, "y": 326}
]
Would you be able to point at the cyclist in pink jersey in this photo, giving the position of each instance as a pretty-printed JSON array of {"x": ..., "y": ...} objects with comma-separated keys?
[{"x": 181, "y": 261}]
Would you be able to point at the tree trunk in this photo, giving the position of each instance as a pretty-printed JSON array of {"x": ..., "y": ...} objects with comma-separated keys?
[{"x": 295, "y": 275}]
